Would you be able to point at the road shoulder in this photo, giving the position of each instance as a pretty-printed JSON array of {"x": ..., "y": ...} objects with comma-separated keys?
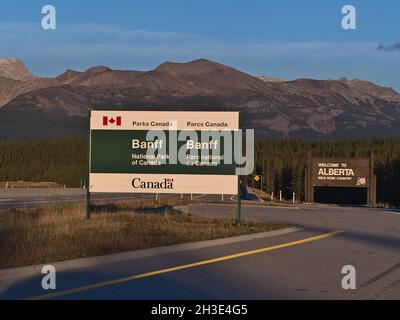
[{"x": 69, "y": 265}]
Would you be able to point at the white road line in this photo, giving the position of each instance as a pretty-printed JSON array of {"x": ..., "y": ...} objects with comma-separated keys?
[
  {"x": 32, "y": 202},
  {"x": 392, "y": 212},
  {"x": 202, "y": 195},
  {"x": 247, "y": 205}
]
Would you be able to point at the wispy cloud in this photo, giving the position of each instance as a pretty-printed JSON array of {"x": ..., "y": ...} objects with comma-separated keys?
[
  {"x": 88, "y": 33},
  {"x": 48, "y": 53},
  {"x": 389, "y": 48},
  {"x": 123, "y": 33}
]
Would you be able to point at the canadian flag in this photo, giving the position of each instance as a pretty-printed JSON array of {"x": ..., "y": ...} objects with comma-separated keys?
[
  {"x": 361, "y": 181},
  {"x": 111, "y": 121}
]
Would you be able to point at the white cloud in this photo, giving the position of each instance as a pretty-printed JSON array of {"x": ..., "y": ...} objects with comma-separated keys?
[
  {"x": 82, "y": 46},
  {"x": 30, "y": 33}
]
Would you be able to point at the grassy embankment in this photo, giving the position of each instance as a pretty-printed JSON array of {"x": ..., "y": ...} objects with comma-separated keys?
[{"x": 60, "y": 232}]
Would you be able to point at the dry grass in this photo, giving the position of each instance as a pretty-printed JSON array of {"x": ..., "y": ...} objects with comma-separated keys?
[{"x": 60, "y": 232}]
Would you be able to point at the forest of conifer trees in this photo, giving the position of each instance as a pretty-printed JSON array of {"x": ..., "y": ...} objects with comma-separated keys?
[
  {"x": 281, "y": 162},
  {"x": 62, "y": 161}
]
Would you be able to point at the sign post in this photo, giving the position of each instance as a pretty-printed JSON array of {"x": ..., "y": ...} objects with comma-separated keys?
[
  {"x": 259, "y": 178},
  {"x": 88, "y": 175},
  {"x": 239, "y": 201},
  {"x": 239, "y": 204},
  {"x": 87, "y": 204}
]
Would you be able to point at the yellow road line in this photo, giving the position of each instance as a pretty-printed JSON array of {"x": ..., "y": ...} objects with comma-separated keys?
[{"x": 182, "y": 267}]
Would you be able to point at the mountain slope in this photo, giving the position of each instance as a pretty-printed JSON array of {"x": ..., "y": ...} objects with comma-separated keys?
[{"x": 299, "y": 108}]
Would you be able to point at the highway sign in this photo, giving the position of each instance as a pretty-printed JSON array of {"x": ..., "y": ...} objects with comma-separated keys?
[
  {"x": 341, "y": 172},
  {"x": 163, "y": 152}
]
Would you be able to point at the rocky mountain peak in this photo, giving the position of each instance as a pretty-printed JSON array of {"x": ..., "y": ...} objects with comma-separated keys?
[{"x": 14, "y": 69}]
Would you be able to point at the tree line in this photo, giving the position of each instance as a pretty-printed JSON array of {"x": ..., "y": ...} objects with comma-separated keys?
[
  {"x": 281, "y": 162},
  {"x": 63, "y": 161}
]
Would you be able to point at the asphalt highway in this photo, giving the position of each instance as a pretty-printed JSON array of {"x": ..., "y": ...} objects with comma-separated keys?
[
  {"x": 302, "y": 265},
  {"x": 28, "y": 198},
  {"x": 34, "y": 197}
]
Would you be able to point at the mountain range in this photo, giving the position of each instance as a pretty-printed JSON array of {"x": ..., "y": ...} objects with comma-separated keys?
[{"x": 35, "y": 107}]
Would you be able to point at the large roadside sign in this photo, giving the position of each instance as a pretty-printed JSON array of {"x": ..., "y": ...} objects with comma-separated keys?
[
  {"x": 162, "y": 152},
  {"x": 341, "y": 172}
]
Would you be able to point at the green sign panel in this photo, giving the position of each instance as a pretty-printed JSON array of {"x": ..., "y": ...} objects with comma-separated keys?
[{"x": 128, "y": 151}]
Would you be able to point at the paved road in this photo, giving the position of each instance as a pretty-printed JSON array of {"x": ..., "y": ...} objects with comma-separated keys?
[
  {"x": 284, "y": 267},
  {"x": 28, "y": 198},
  {"x": 34, "y": 197}
]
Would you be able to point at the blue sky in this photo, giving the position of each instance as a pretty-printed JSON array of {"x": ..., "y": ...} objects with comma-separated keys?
[{"x": 286, "y": 39}]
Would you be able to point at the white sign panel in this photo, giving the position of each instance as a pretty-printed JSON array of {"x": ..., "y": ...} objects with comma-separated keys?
[{"x": 163, "y": 152}]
